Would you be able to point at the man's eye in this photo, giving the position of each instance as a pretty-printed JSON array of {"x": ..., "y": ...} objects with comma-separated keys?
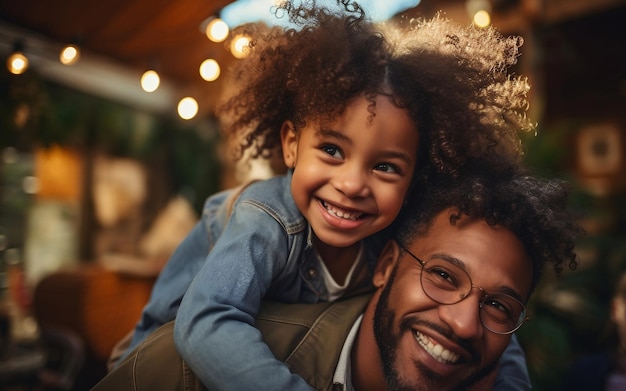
[
  {"x": 386, "y": 167},
  {"x": 497, "y": 305},
  {"x": 441, "y": 277},
  {"x": 502, "y": 307},
  {"x": 332, "y": 151}
]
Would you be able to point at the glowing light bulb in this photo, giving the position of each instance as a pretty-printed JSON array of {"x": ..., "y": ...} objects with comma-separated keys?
[
  {"x": 482, "y": 18},
  {"x": 17, "y": 63},
  {"x": 239, "y": 46},
  {"x": 217, "y": 30},
  {"x": 187, "y": 108},
  {"x": 150, "y": 81},
  {"x": 209, "y": 69},
  {"x": 69, "y": 55}
]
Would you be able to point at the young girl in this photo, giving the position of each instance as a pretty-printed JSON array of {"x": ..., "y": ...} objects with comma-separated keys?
[{"x": 356, "y": 112}]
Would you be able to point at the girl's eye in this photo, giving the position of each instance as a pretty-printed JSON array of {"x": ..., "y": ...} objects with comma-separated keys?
[
  {"x": 386, "y": 167},
  {"x": 332, "y": 151}
]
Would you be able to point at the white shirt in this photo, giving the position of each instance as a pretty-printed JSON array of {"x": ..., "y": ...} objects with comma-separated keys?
[
  {"x": 335, "y": 290},
  {"x": 343, "y": 373}
]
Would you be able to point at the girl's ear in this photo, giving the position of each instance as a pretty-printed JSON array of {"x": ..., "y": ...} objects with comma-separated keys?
[
  {"x": 289, "y": 141},
  {"x": 386, "y": 262}
]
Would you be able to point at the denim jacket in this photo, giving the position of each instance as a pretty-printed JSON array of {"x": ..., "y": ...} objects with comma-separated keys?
[{"x": 264, "y": 251}]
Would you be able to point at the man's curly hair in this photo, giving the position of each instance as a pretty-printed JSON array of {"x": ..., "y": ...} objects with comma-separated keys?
[
  {"x": 452, "y": 80},
  {"x": 534, "y": 209}
]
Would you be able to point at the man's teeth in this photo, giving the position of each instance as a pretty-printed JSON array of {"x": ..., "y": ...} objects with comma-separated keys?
[
  {"x": 437, "y": 351},
  {"x": 342, "y": 214}
]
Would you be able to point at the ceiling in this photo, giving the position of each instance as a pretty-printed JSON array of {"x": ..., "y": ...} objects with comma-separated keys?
[
  {"x": 134, "y": 35},
  {"x": 137, "y": 32}
]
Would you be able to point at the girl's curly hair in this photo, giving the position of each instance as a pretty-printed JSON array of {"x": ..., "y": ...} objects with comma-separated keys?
[
  {"x": 534, "y": 209},
  {"x": 453, "y": 81}
]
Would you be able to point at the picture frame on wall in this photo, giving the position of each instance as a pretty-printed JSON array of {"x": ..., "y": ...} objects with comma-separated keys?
[{"x": 600, "y": 158}]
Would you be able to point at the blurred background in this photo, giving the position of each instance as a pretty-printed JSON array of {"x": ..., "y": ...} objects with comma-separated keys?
[{"x": 109, "y": 144}]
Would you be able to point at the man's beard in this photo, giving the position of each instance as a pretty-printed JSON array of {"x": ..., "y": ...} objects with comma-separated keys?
[{"x": 388, "y": 341}]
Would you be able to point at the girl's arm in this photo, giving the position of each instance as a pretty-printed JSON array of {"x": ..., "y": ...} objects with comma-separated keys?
[
  {"x": 214, "y": 330},
  {"x": 171, "y": 284},
  {"x": 180, "y": 270}
]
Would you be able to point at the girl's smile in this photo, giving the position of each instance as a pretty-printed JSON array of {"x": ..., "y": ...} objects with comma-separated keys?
[{"x": 351, "y": 174}]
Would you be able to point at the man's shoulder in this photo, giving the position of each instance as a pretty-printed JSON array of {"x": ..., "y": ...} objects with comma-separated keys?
[
  {"x": 306, "y": 315},
  {"x": 309, "y": 337}
]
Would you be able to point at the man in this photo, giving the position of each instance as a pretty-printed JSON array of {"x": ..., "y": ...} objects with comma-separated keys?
[{"x": 450, "y": 291}]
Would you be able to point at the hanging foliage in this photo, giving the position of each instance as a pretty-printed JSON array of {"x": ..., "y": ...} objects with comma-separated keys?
[{"x": 37, "y": 113}]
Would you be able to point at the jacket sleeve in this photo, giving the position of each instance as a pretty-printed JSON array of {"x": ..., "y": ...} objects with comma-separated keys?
[
  {"x": 215, "y": 329},
  {"x": 513, "y": 372},
  {"x": 180, "y": 269}
]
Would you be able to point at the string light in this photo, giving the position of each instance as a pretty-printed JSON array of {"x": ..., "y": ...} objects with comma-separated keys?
[
  {"x": 210, "y": 69},
  {"x": 482, "y": 18},
  {"x": 150, "y": 81},
  {"x": 479, "y": 11},
  {"x": 187, "y": 108},
  {"x": 216, "y": 29},
  {"x": 17, "y": 63},
  {"x": 69, "y": 54},
  {"x": 239, "y": 46}
]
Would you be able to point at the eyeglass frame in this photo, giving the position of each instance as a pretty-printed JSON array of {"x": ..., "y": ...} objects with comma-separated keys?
[{"x": 485, "y": 295}]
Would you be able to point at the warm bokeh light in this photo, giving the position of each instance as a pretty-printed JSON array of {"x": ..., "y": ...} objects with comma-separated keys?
[
  {"x": 69, "y": 55},
  {"x": 17, "y": 63},
  {"x": 10, "y": 155},
  {"x": 209, "y": 69},
  {"x": 217, "y": 30},
  {"x": 187, "y": 108},
  {"x": 482, "y": 18},
  {"x": 150, "y": 81},
  {"x": 473, "y": 6},
  {"x": 239, "y": 46},
  {"x": 30, "y": 184},
  {"x": 59, "y": 173}
]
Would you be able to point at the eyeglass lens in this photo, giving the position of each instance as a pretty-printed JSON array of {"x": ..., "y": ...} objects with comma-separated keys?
[{"x": 447, "y": 283}]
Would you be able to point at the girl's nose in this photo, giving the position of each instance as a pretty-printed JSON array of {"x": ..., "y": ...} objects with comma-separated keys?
[{"x": 352, "y": 181}]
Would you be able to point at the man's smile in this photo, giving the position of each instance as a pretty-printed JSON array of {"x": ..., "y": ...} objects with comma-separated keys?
[{"x": 437, "y": 351}]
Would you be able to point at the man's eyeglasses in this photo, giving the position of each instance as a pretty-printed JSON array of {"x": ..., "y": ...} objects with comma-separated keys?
[{"x": 447, "y": 283}]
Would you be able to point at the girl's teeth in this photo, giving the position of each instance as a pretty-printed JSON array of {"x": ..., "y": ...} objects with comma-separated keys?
[{"x": 340, "y": 213}]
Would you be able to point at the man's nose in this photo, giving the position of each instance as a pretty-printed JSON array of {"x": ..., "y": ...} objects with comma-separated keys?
[
  {"x": 464, "y": 317},
  {"x": 352, "y": 180}
]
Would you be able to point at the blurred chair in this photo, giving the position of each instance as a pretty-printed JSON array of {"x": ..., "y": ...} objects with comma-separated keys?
[
  {"x": 65, "y": 356},
  {"x": 90, "y": 306}
]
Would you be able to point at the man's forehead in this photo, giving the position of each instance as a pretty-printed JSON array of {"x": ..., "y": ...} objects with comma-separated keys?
[{"x": 449, "y": 225}]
